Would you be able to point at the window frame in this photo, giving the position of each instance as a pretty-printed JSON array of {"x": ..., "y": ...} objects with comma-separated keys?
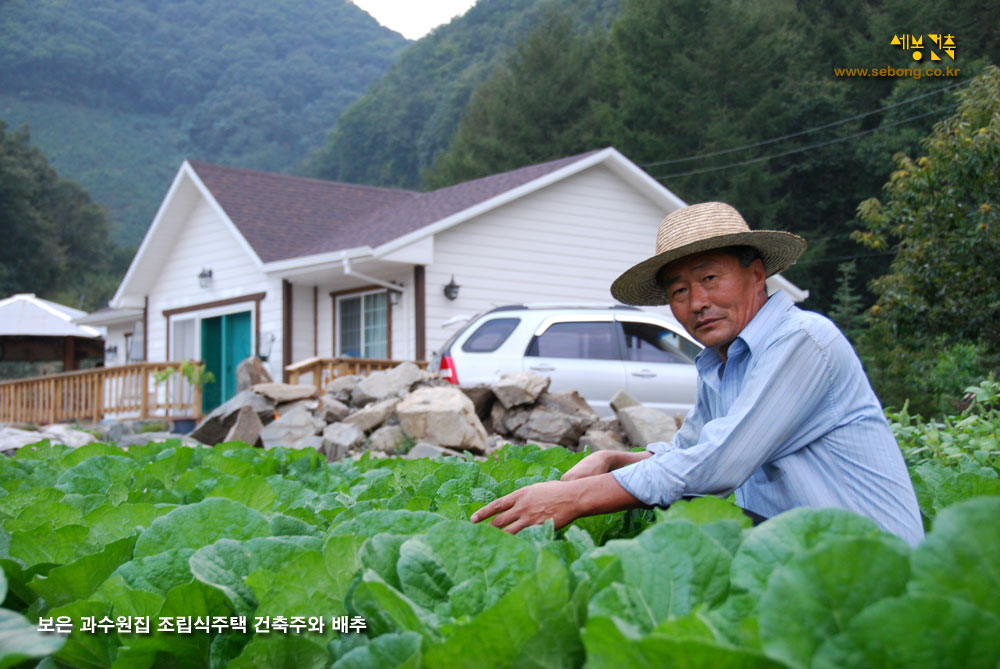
[{"x": 361, "y": 295}]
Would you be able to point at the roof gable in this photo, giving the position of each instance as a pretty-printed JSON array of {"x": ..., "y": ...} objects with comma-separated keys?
[{"x": 283, "y": 216}]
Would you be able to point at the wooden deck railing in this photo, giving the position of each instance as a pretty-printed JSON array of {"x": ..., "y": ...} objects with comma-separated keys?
[
  {"x": 123, "y": 391},
  {"x": 324, "y": 370}
]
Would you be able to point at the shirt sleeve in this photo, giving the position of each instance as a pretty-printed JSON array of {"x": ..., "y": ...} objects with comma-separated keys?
[{"x": 776, "y": 412}]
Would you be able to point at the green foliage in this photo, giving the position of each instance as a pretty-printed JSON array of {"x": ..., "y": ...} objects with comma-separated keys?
[
  {"x": 528, "y": 110},
  {"x": 194, "y": 373},
  {"x": 847, "y": 308},
  {"x": 252, "y": 84},
  {"x": 679, "y": 87},
  {"x": 699, "y": 585},
  {"x": 940, "y": 216},
  {"x": 55, "y": 238}
]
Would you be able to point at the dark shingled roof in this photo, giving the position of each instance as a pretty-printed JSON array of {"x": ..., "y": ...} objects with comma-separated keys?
[{"x": 286, "y": 217}]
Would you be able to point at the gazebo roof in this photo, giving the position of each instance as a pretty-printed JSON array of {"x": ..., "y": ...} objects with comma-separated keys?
[{"x": 23, "y": 314}]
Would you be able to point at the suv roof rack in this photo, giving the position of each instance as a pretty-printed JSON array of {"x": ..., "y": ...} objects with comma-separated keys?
[{"x": 563, "y": 305}]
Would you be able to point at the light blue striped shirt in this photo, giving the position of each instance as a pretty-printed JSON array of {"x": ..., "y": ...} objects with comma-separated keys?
[{"x": 789, "y": 420}]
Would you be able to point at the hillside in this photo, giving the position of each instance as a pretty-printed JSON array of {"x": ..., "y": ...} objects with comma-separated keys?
[
  {"x": 395, "y": 131},
  {"x": 118, "y": 92}
]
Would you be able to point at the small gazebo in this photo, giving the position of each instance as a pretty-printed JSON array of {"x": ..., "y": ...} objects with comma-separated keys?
[{"x": 39, "y": 336}]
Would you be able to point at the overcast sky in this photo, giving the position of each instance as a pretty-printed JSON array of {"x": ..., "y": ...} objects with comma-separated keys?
[{"x": 414, "y": 18}]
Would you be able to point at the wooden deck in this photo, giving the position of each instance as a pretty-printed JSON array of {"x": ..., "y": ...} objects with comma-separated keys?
[
  {"x": 123, "y": 391},
  {"x": 131, "y": 391}
]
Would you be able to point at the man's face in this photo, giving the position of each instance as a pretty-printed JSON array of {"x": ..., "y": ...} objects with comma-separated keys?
[{"x": 713, "y": 296}]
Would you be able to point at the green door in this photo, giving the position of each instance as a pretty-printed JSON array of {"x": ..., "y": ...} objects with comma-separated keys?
[{"x": 225, "y": 342}]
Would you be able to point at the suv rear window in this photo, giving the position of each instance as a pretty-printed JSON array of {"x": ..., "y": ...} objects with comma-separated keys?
[{"x": 490, "y": 335}]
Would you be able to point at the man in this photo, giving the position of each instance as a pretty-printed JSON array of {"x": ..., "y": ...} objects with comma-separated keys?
[{"x": 784, "y": 417}]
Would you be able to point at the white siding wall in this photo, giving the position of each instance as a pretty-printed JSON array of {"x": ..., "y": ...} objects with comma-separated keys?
[
  {"x": 270, "y": 324},
  {"x": 116, "y": 337},
  {"x": 302, "y": 322},
  {"x": 566, "y": 242},
  {"x": 204, "y": 241}
]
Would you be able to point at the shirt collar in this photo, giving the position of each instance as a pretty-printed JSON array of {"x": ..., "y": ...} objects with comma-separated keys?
[{"x": 756, "y": 332}]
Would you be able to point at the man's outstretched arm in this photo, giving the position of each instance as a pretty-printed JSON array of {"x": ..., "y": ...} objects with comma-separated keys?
[{"x": 575, "y": 496}]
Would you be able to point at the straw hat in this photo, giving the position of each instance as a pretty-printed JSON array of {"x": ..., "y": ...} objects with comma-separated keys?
[{"x": 702, "y": 227}]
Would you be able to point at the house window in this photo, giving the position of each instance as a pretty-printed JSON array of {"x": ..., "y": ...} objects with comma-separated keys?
[{"x": 363, "y": 326}]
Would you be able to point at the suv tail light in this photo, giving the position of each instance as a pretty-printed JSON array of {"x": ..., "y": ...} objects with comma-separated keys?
[{"x": 448, "y": 372}]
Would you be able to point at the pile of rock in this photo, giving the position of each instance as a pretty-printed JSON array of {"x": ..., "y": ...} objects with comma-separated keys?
[
  {"x": 400, "y": 411},
  {"x": 406, "y": 410}
]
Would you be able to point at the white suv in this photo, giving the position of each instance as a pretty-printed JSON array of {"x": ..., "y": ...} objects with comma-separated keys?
[{"x": 590, "y": 349}]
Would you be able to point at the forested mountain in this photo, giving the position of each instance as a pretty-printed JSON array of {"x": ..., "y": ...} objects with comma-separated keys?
[
  {"x": 118, "y": 92},
  {"x": 734, "y": 101},
  {"x": 55, "y": 238},
  {"x": 395, "y": 131}
]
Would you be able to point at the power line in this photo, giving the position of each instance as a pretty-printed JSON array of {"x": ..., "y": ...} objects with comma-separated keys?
[
  {"x": 802, "y": 132},
  {"x": 855, "y": 257},
  {"x": 801, "y": 148}
]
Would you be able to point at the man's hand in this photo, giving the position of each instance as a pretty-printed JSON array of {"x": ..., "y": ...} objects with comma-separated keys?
[
  {"x": 531, "y": 505},
  {"x": 602, "y": 462},
  {"x": 561, "y": 501}
]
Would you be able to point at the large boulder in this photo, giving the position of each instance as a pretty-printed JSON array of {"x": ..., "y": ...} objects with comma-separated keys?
[
  {"x": 378, "y": 386},
  {"x": 113, "y": 430},
  {"x": 622, "y": 400},
  {"x": 424, "y": 450},
  {"x": 601, "y": 440},
  {"x": 643, "y": 425},
  {"x": 216, "y": 425},
  {"x": 331, "y": 410},
  {"x": 64, "y": 434},
  {"x": 290, "y": 428},
  {"x": 342, "y": 387},
  {"x": 341, "y": 438},
  {"x": 373, "y": 415},
  {"x": 247, "y": 428},
  {"x": 250, "y": 372},
  {"x": 557, "y": 418},
  {"x": 12, "y": 438},
  {"x": 388, "y": 439},
  {"x": 520, "y": 388},
  {"x": 442, "y": 416},
  {"x": 150, "y": 437},
  {"x": 285, "y": 392},
  {"x": 482, "y": 398}
]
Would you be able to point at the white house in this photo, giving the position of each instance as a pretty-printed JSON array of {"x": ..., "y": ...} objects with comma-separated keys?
[{"x": 239, "y": 262}]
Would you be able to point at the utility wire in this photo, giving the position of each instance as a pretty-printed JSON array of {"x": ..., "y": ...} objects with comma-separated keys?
[
  {"x": 855, "y": 257},
  {"x": 800, "y": 149},
  {"x": 803, "y": 132}
]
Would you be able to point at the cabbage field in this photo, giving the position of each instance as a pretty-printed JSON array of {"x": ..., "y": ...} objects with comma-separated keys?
[{"x": 168, "y": 556}]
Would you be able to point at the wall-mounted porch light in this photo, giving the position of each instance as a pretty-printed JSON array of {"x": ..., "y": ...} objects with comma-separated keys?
[
  {"x": 266, "y": 342},
  {"x": 394, "y": 296},
  {"x": 111, "y": 353},
  {"x": 451, "y": 289},
  {"x": 205, "y": 277}
]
